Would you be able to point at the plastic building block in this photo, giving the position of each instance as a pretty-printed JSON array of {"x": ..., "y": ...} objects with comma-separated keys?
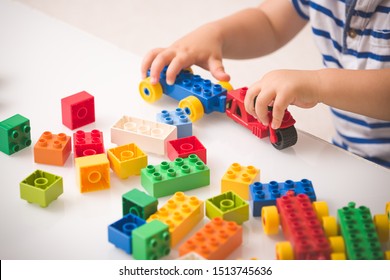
[
  {"x": 183, "y": 147},
  {"x": 150, "y": 136},
  {"x": 281, "y": 138},
  {"x": 266, "y": 194},
  {"x": 41, "y": 188},
  {"x": 192, "y": 256},
  {"x": 238, "y": 178},
  {"x": 139, "y": 203},
  {"x": 14, "y": 134},
  {"x": 151, "y": 241},
  {"x": 78, "y": 110},
  {"x": 87, "y": 143},
  {"x": 359, "y": 233},
  {"x": 177, "y": 118},
  {"x": 196, "y": 95},
  {"x": 229, "y": 206},
  {"x": 181, "y": 174},
  {"x": 301, "y": 226},
  {"x": 127, "y": 160},
  {"x": 215, "y": 241},
  {"x": 52, "y": 149},
  {"x": 181, "y": 213},
  {"x": 120, "y": 232},
  {"x": 93, "y": 173}
]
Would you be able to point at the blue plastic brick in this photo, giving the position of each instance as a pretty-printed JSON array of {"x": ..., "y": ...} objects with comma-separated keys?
[
  {"x": 120, "y": 233},
  {"x": 266, "y": 194},
  {"x": 212, "y": 96},
  {"x": 15, "y": 134},
  {"x": 178, "y": 118}
]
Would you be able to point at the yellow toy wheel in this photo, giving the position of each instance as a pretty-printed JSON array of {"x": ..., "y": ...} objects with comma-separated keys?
[
  {"x": 270, "y": 219},
  {"x": 150, "y": 93},
  {"x": 226, "y": 85},
  {"x": 193, "y": 108},
  {"x": 284, "y": 251},
  {"x": 329, "y": 224},
  {"x": 321, "y": 209},
  {"x": 337, "y": 244},
  {"x": 382, "y": 227}
]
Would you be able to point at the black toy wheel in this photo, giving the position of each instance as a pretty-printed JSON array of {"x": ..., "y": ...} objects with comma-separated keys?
[{"x": 287, "y": 137}]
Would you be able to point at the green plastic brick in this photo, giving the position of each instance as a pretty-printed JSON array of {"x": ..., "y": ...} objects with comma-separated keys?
[
  {"x": 229, "y": 206},
  {"x": 41, "y": 188},
  {"x": 139, "y": 203},
  {"x": 14, "y": 134},
  {"x": 151, "y": 241},
  {"x": 179, "y": 175},
  {"x": 359, "y": 233}
]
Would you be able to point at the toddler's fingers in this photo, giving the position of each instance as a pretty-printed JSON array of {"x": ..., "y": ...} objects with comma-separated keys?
[
  {"x": 158, "y": 64},
  {"x": 147, "y": 61},
  {"x": 279, "y": 107},
  {"x": 250, "y": 97},
  {"x": 263, "y": 100},
  {"x": 177, "y": 64},
  {"x": 217, "y": 70}
]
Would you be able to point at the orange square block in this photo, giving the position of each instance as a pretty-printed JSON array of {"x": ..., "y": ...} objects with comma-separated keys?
[
  {"x": 238, "y": 178},
  {"x": 215, "y": 241},
  {"x": 93, "y": 173},
  {"x": 127, "y": 160},
  {"x": 52, "y": 149}
]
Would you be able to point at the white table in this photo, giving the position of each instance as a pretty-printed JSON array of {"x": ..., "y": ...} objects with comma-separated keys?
[{"x": 43, "y": 60}]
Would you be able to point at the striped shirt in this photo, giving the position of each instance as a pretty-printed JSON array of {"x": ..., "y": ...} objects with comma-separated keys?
[{"x": 353, "y": 34}]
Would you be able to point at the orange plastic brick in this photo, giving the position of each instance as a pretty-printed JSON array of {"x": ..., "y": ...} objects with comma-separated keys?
[
  {"x": 93, "y": 172},
  {"x": 238, "y": 178},
  {"x": 181, "y": 213},
  {"x": 52, "y": 149},
  {"x": 215, "y": 241}
]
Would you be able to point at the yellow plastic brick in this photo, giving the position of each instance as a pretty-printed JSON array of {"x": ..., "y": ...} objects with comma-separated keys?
[{"x": 93, "y": 172}]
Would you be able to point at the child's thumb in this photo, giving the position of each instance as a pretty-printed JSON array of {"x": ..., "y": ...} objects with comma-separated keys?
[{"x": 218, "y": 71}]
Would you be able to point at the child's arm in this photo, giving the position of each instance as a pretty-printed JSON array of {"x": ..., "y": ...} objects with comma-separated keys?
[
  {"x": 365, "y": 92},
  {"x": 249, "y": 33}
]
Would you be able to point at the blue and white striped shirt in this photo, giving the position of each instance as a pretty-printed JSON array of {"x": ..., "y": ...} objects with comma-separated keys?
[{"x": 353, "y": 34}]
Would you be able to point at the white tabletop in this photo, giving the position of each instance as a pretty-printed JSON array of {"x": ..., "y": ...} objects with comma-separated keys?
[{"x": 43, "y": 60}]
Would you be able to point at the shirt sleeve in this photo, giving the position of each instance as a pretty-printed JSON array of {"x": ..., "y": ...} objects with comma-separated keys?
[{"x": 302, "y": 8}]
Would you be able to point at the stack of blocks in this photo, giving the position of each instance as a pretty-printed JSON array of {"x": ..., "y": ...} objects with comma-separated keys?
[{"x": 14, "y": 134}]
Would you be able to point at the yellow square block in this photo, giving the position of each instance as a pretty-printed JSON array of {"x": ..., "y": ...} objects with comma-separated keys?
[
  {"x": 181, "y": 213},
  {"x": 127, "y": 160},
  {"x": 93, "y": 173},
  {"x": 238, "y": 178}
]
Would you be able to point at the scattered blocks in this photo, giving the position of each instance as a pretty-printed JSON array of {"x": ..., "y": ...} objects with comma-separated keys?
[
  {"x": 52, "y": 149},
  {"x": 78, "y": 110},
  {"x": 41, "y": 188},
  {"x": 177, "y": 118},
  {"x": 183, "y": 147},
  {"x": 150, "y": 136},
  {"x": 87, "y": 143},
  {"x": 93, "y": 173},
  {"x": 228, "y": 206},
  {"x": 14, "y": 134},
  {"x": 151, "y": 241},
  {"x": 266, "y": 194},
  {"x": 179, "y": 175},
  {"x": 127, "y": 160},
  {"x": 238, "y": 179},
  {"x": 139, "y": 204},
  {"x": 215, "y": 241},
  {"x": 120, "y": 232},
  {"x": 181, "y": 213}
]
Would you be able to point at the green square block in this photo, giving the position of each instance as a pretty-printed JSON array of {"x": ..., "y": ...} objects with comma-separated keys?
[
  {"x": 14, "y": 134},
  {"x": 179, "y": 175},
  {"x": 151, "y": 241},
  {"x": 139, "y": 203},
  {"x": 41, "y": 188},
  {"x": 229, "y": 206},
  {"x": 359, "y": 233}
]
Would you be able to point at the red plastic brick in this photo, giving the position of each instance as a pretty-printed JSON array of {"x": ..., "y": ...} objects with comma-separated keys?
[
  {"x": 78, "y": 110},
  {"x": 183, "y": 147},
  {"x": 87, "y": 143}
]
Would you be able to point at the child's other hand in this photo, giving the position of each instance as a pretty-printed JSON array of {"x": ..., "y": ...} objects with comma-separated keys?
[
  {"x": 201, "y": 47},
  {"x": 279, "y": 89}
]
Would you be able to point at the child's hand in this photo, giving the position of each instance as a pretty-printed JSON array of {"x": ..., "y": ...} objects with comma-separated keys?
[
  {"x": 279, "y": 89},
  {"x": 202, "y": 47}
]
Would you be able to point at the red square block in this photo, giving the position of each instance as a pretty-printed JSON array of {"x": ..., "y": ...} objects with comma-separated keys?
[
  {"x": 78, "y": 110},
  {"x": 183, "y": 147},
  {"x": 87, "y": 143}
]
